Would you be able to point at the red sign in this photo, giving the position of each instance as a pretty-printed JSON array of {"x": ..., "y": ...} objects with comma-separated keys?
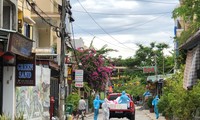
[
  {"x": 78, "y": 84},
  {"x": 150, "y": 69}
]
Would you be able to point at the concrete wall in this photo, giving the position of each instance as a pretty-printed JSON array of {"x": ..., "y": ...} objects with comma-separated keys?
[
  {"x": 44, "y": 37},
  {"x": 9, "y": 91},
  {"x": 1, "y": 13},
  {"x": 34, "y": 101},
  {"x": 45, "y": 5}
]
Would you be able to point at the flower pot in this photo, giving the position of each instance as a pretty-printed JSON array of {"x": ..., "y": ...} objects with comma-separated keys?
[{"x": 151, "y": 110}]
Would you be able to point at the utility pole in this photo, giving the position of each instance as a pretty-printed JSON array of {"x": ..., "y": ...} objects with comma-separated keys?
[
  {"x": 62, "y": 59},
  {"x": 156, "y": 73}
]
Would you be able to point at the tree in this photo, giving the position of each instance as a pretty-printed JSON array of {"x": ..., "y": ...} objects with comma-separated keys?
[
  {"x": 189, "y": 10},
  {"x": 97, "y": 68}
]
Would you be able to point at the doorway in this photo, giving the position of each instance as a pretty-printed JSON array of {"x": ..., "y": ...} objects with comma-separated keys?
[{"x": 1, "y": 84}]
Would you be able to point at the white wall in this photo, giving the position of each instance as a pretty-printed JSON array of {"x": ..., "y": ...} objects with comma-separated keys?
[
  {"x": 1, "y": 13},
  {"x": 34, "y": 101},
  {"x": 9, "y": 91}
]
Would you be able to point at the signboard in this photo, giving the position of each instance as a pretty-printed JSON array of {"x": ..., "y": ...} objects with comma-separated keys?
[
  {"x": 20, "y": 44},
  {"x": 25, "y": 70},
  {"x": 69, "y": 74},
  {"x": 78, "y": 75},
  {"x": 78, "y": 84},
  {"x": 149, "y": 69}
]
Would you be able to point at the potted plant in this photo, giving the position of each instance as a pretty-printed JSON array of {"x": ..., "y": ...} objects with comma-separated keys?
[
  {"x": 72, "y": 101},
  {"x": 90, "y": 103}
]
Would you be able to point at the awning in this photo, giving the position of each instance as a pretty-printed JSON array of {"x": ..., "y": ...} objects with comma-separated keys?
[
  {"x": 29, "y": 20},
  {"x": 192, "y": 42}
]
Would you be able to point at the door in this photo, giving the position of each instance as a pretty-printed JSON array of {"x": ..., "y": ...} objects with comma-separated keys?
[{"x": 1, "y": 84}]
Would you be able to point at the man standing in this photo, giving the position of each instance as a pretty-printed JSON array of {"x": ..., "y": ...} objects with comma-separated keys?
[
  {"x": 124, "y": 99},
  {"x": 155, "y": 103},
  {"x": 81, "y": 107},
  {"x": 96, "y": 104}
]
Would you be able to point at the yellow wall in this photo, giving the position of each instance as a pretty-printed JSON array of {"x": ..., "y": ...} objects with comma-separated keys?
[
  {"x": 45, "y": 5},
  {"x": 44, "y": 37},
  {"x": 24, "y": 11}
]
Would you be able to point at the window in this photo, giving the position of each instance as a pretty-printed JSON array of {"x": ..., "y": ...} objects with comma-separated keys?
[
  {"x": 27, "y": 30},
  {"x": 6, "y": 17},
  {"x": 9, "y": 15}
]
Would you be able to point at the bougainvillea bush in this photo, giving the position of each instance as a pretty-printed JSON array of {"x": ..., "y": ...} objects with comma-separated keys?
[{"x": 97, "y": 68}]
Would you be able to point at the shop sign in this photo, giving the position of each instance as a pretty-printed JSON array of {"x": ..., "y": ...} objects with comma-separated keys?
[
  {"x": 149, "y": 69},
  {"x": 25, "y": 70},
  {"x": 20, "y": 45},
  {"x": 69, "y": 74},
  {"x": 78, "y": 84},
  {"x": 78, "y": 75}
]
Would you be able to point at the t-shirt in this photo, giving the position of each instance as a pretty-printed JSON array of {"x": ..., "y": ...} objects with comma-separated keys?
[{"x": 81, "y": 104}]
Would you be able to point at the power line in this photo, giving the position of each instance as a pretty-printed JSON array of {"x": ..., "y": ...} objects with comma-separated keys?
[
  {"x": 102, "y": 28},
  {"x": 154, "y": 1},
  {"x": 99, "y": 37},
  {"x": 40, "y": 9},
  {"x": 120, "y": 14},
  {"x": 116, "y": 31},
  {"x": 55, "y": 5},
  {"x": 33, "y": 8}
]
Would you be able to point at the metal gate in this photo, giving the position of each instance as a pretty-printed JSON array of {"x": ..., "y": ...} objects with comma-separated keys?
[{"x": 54, "y": 91}]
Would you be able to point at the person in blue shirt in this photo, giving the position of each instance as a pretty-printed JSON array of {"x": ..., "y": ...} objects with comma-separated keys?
[
  {"x": 155, "y": 103},
  {"x": 146, "y": 95},
  {"x": 124, "y": 98},
  {"x": 96, "y": 105}
]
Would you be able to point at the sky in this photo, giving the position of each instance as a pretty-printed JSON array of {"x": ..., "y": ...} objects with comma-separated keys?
[{"x": 122, "y": 24}]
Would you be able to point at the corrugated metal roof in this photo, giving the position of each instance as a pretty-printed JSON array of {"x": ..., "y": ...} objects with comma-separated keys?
[
  {"x": 193, "y": 41},
  {"x": 155, "y": 78}
]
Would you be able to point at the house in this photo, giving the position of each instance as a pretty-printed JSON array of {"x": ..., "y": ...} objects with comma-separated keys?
[
  {"x": 191, "y": 47},
  {"x": 13, "y": 45}
]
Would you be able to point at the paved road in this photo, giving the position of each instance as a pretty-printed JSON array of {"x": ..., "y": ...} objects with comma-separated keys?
[{"x": 140, "y": 115}]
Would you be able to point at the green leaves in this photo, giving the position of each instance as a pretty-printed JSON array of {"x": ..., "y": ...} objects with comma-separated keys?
[
  {"x": 177, "y": 101},
  {"x": 73, "y": 99},
  {"x": 97, "y": 68}
]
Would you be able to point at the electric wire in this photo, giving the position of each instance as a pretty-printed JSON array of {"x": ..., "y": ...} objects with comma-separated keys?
[
  {"x": 136, "y": 26},
  {"x": 55, "y": 5},
  {"x": 150, "y": 1},
  {"x": 74, "y": 44},
  {"x": 102, "y": 27},
  {"x": 99, "y": 37},
  {"x": 120, "y": 14},
  {"x": 36, "y": 12},
  {"x": 41, "y": 10}
]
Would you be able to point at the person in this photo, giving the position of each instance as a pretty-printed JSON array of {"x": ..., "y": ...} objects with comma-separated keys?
[
  {"x": 81, "y": 107},
  {"x": 96, "y": 105},
  {"x": 105, "y": 107},
  {"x": 154, "y": 103},
  {"x": 124, "y": 99},
  {"x": 146, "y": 95}
]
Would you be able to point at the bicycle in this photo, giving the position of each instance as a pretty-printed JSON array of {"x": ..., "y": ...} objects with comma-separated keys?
[{"x": 82, "y": 113}]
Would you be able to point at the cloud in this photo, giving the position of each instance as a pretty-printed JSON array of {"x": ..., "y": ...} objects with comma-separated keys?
[{"x": 121, "y": 24}]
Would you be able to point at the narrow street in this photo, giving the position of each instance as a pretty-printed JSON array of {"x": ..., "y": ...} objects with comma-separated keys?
[{"x": 140, "y": 115}]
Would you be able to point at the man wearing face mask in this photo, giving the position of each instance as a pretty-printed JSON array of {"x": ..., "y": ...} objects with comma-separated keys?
[{"x": 96, "y": 105}]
